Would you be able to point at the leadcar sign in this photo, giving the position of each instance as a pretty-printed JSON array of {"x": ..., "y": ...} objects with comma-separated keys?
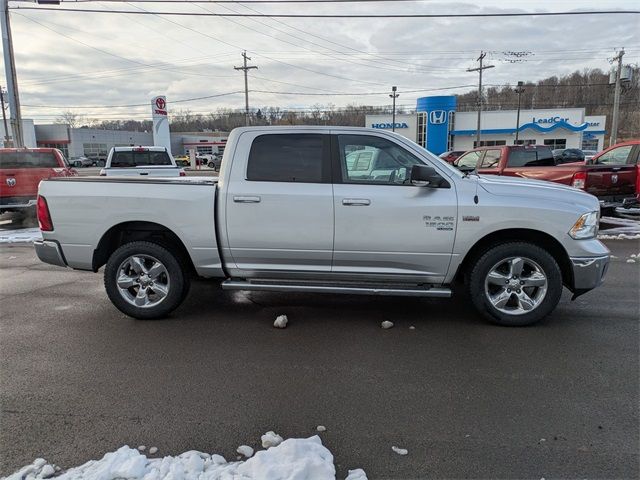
[{"x": 390, "y": 125}]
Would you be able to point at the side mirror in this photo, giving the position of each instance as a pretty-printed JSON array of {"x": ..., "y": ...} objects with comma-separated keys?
[{"x": 424, "y": 176}]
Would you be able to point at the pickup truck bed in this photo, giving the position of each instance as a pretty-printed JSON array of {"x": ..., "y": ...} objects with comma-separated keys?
[{"x": 145, "y": 199}]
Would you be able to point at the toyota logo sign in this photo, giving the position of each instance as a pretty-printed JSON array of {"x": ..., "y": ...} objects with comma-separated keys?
[
  {"x": 161, "y": 103},
  {"x": 11, "y": 182}
]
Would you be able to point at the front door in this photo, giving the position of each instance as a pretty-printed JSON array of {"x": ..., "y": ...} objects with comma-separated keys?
[
  {"x": 385, "y": 226},
  {"x": 279, "y": 205}
]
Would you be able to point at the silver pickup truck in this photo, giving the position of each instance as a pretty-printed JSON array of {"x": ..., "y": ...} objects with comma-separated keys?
[{"x": 295, "y": 210}]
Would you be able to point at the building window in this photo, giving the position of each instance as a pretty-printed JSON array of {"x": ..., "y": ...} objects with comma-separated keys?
[
  {"x": 204, "y": 149},
  {"x": 452, "y": 120},
  {"x": 525, "y": 142},
  {"x": 422, "y": 129},
  {"x": 489, "y": 143},
  {"x": 63, "y": 147},
  {"x": 589, "y": 144},
  {"x": 95, "y": 150},
  {"x": 556, "y": 143}
]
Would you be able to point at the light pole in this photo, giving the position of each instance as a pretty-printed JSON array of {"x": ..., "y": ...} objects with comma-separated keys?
[
  {"x": 394, "y": 95},
  {"x": 519, "y": 90},
  {"x": 4, "y": 118}
]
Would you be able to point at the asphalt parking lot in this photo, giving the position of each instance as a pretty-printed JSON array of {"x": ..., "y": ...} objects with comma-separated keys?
[{"x": 467, "y": 399}]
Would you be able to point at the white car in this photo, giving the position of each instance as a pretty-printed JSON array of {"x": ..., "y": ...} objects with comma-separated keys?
[{"x": 141, "y": 161}]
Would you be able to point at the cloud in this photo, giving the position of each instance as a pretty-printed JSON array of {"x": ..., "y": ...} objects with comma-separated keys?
[{"x": 80, "y": 59}]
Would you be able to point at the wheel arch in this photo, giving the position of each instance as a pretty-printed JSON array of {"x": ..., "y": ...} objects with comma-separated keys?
[
  {"x": 131, "y": 231},
  {"x": 541, "y": 239}
]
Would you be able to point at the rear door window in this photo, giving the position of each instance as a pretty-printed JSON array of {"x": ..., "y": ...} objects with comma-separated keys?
[
  {"x": 298, "y": 157},
  {"x": 140, "y": 159},
  {"x": 531, "y": 158},
  {"x": 28, "y": 160}
]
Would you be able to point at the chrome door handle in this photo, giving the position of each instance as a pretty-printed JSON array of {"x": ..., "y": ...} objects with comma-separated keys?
[
  {"x": 356, "y": 202},
  {"x": 246, "y": 199}
]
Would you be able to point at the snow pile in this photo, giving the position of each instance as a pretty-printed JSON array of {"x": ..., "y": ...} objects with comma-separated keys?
[
  {"x": 619, "y": 236},
  {"x": 270, "y": 439},
  {"x": 321, "y": 428},
  {"x": 281, "y": 321},
  {"x": 293, "y": 459},
  {"x": 23, "y": 235},
  {"x": 386, "y": 324},
  {"x": 623, "y": 229}
]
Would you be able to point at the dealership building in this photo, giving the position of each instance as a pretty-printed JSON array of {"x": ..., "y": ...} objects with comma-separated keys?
[
  {"x": 438, "y": 127},
  {"x": 96, "y": 143}
]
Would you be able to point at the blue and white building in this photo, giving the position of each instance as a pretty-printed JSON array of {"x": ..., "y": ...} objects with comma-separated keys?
[{"x": 438, "y": 127}]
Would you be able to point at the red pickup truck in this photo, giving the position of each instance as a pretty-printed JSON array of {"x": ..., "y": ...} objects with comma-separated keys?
[
  {"x": 610, "y": 179},
  {"x": 22, "y": 169}
]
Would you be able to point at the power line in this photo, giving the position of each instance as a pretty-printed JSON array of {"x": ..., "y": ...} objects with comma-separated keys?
[{"x": 338, "y": 15}]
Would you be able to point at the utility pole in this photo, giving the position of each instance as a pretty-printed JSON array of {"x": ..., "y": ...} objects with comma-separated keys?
[
  {"x": 616, "y": 100},
  {"x": 479, "y": 70},
  {"x": 394, "y": 95},
  {"x": 4, "y": 119},
  {"x": 12, "y": 80},
  {"x": 246, "y": 68},
  {"x": 519, "y": 90}
]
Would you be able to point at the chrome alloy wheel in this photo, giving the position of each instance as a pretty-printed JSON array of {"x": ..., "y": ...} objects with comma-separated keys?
[
  {"x": 143, "y": 281},
  {"x": 516, "y": 285}
]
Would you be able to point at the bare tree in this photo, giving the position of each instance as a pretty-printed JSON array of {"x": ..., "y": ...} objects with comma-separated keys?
[{"x": 74, "y": 120}]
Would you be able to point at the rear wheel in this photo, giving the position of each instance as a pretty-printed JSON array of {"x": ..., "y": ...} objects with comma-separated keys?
[
  {"x": 515, "y": 284},
  {"x": 145, "y": 280}
]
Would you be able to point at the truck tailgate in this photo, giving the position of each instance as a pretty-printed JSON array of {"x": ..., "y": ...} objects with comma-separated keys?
[{"x": 611, "y": 180}]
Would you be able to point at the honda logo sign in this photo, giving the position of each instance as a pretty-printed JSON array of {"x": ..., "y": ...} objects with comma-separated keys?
[{"x": 437, "y": 117}]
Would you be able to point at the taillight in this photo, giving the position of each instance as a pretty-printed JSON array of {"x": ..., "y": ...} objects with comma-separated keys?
[
  {"x": 579, "y": 180},
  {"x": 44, "y": 219}
]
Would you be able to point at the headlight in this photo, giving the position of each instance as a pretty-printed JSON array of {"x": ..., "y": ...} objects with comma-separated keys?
[{"x": 586, "y": 226}]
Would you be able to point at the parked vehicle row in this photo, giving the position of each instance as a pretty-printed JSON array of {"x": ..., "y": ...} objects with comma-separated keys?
[
  {"x": 610, "y": 175},
  {"x": 328, "y": 210}
]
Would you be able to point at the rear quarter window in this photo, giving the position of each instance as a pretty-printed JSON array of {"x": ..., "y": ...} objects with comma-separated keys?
[
  {"x": 140, "y": 159},
  {"x": 28, "y": 160}
]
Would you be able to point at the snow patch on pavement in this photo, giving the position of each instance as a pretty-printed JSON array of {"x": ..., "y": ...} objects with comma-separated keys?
[
  {"x": 23, "y": 235},
  {"x": 270, "y": 439},
  {"x": 281, "y": 321},
  {"x": 386, "y": 324},
  {"x": 293, "y": 459},
  {"x": 400, "y": 451},
  {"x": 245, "y": 450}
]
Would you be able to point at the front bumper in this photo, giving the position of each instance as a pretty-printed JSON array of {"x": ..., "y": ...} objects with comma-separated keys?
[
  {"x": 50, "y": 252},
  {"x": 588, "y": 273}
]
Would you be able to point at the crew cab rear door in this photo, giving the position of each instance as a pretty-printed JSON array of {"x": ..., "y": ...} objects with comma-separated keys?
[
  {"x": 279, "y": 204},
  {"x": 613, "y": 172}
]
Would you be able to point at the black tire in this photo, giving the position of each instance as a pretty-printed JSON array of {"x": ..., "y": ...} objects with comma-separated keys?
[
  {"x": 484, "y": 264},
  {"x": 178, "y": 280},
  {"x": 77, "y": 164}
]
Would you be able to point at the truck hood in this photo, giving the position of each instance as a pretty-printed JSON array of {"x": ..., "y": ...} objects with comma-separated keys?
[{"x": 537, "y": 190}]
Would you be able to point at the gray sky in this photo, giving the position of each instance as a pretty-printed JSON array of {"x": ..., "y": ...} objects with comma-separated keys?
[{"x": 67, "y": 59}]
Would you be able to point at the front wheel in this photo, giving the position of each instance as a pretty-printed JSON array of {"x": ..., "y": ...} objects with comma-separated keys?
[
  {"x": 145, "y": 281},
  {"x": 515, "y": 284}
]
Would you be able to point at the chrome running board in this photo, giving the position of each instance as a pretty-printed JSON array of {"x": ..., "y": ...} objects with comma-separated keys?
[{"x": 412, "y": 291}]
